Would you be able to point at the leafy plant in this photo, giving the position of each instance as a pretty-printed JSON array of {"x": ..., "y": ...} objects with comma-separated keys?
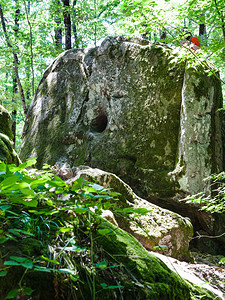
[
  {"x": 215, "y": 203},
  {"x": 38, "y": 205}
]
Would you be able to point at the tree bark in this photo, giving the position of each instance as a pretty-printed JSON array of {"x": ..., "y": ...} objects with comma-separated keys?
[
  {"x": 14, "y": 112},
  {"x": 15, "y": 89},
  {"x": 222, "y": 19},
  {"x": 15, "y": 62},
  {"x": 27, "y": 10},
  {"x": 58, "y": 30},
  {"x": 67, "y": 23},
  {"x": 74, "y": 26}
]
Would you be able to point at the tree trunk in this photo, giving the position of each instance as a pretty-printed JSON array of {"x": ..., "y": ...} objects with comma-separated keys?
[
  {"x": 27, "y": 10},
  {"x": 15, "y": 61},
  {"x": 15, "y": 89},
  {"x": 58, "y": 30},
  {"x": 67, "y": 23},
  {"x": 222, "y": 19},
  {"x": 74, "y": 26},
  {"x": 14, "y": 112},
  {"x": 201, "y": 29}
]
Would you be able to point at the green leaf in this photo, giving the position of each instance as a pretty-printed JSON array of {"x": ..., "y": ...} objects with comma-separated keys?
[
  {"x": 161, "y": 247},
  {"x": 28, "y": 163},
  {"x": 18, "y": 258},
  {"x": 50, "y": 203},
  {"x": 29, "y": 202},
  {"x": 79, "y": 182},
  {"x": 9, "y": 181},
  {"x": 11, "y": 263},
  {"x": 74, "y": 278},
  {"x": 57, "y": 182},
  {"x": 38, "y": 182},
  {"x": 13, "y": 294},
  {"x": 102, "y": 265},
  {"x": 23, "y": 261},
  {"x": 24, "y": 232},
  {"x": 27, "y": 291},
  {"x": 80, "y": 210},
  {"x": 73, "y": 248},
  {"x": 67, "y": 271},
  {"x": 141, "y": 211},
  {"x": 65, "y": 229},
  {"x": 27, "y": 264},
  {"x": 3, "y": 239},
  {"x": 5, "y": 207},
  {"x": 104, "y": 231},
  {"x": 222, "y": 261},
  {"x": 15, "y": 232},
  {"x": 96, "y": 187},
  {"x": 3, "y": 273},
  {"x": 42, "y": 269},
  {"x": 105, "y": 286},
  {"x": 50, "y": 260}
]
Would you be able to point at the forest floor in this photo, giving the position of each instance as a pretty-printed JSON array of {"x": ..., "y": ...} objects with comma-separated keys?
[{"x": 205, "y": 271}]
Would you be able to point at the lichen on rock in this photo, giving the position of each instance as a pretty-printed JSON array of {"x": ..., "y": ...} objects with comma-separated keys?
[
  {"x": 159, "y": 227},
  {"x": 7, "y": 151},
  {"x": 132, "y": 108}
]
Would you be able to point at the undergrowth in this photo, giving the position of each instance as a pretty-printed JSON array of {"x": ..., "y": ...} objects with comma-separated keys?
[
  {"x": 215, "y": 202},
  {"x": 60, "y": 220}
]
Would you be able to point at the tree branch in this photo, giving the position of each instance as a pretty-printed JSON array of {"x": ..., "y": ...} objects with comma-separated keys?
[{"x": 207, "y": 236}]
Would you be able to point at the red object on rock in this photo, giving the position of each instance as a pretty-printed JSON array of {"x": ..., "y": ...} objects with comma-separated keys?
[{"x": 196, "y": 42}]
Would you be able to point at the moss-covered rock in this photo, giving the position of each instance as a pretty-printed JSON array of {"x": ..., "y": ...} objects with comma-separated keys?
[
  {"x": 135, "y": 109},
  {"x": 132, "y": 108},
  {"x": 157, "y": 227},
  {"x": 7, "y": 152},
  {"x": 131, "y": 272},
  {"x": 151, "y": 278}
]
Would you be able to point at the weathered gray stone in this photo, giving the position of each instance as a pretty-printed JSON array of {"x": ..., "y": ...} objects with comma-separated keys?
[
  {"x": 134, "y": 109},
  {"x": 7, "y": 152},
  {"x": 200, "y": 146},
  {"x": 131, "y": 108},
  {"x": 158, "y": 227}
]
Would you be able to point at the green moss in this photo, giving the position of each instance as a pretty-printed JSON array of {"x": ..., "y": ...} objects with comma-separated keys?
[
  {"x": 5, "y": 122},
  {"x": 7, "y": 152},
  {"x": 154, "y": 278}
]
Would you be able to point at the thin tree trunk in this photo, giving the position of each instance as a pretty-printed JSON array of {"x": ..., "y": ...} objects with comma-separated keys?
[
  {"x": 221, "y": 19},
  {"x": 58, "y": 36},
  {"x": 14, "y": 112},
  {"x": 67, "y": 23},
  {"x": 95, "y": 8},
  {"x": 58, "y": 30},
  {"x": 31, "y": 46},
  {"x": 74, "y": 26},
  {"x": 15, "y": 89},
  {"x": 15, "y": 62}
]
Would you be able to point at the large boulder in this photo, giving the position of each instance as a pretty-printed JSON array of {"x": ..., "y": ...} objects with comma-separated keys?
[
  {"x": 137, "y": 110},
  {"x": 132, "y": 108},
  {"x": 7, "y": 152},
  {"x": 159, "y": 227}
]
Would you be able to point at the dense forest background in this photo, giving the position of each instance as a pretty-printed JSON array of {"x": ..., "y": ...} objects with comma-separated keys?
[{"x": 34, "y": 32}]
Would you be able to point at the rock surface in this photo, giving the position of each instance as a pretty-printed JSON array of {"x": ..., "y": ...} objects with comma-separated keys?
[
  {"x": 7, "y": 152},
  {"x": 132, "y": 108},
  {"x": 158, "y": 227},
  {"x": 205, "y": 272}
]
